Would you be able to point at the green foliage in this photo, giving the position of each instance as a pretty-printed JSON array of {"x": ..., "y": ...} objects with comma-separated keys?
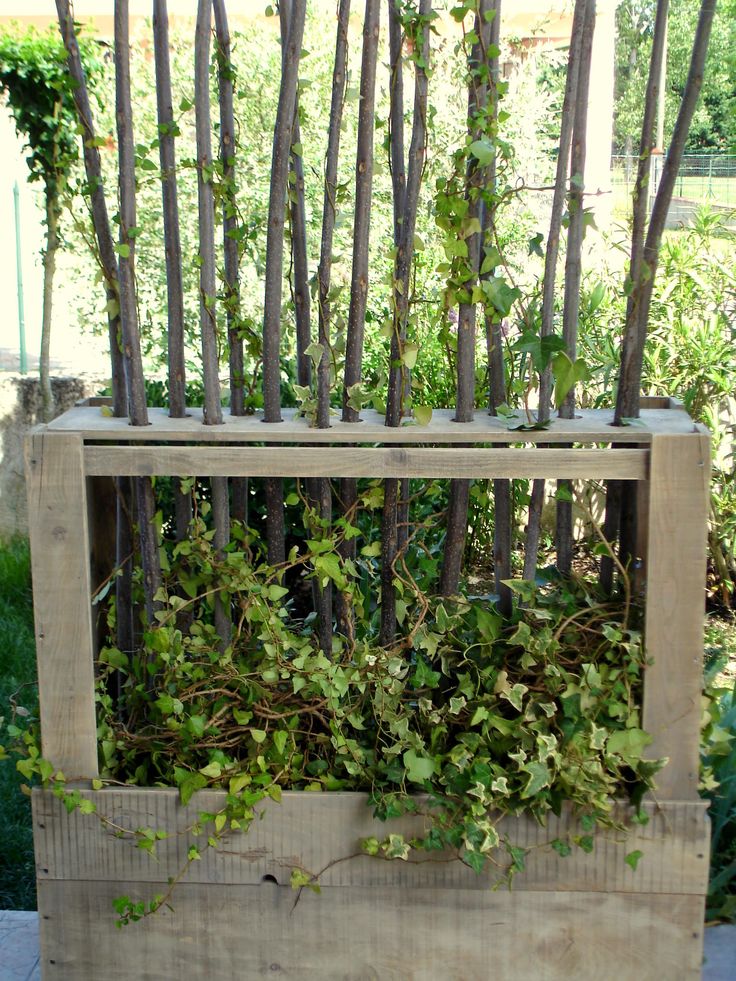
[
  {"x": 714, "y": 125},
  {"x": 18, "y": 701},
  {"x": 689, "y": 355},
  {"x": 718, "y": 761},
  {"x": 38, "y": 90},
  {"x": 486, "y": 716}
]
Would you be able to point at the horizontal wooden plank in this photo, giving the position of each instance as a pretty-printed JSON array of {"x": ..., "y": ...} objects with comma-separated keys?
[
  {"x": 222, "y": 931},
  {"x": 341, "y": 461},
  {"x": 589, "y": 426},
  {"x": 321, "y": 833}
]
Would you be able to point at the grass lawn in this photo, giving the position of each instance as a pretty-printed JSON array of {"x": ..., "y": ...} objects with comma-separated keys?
[{"x": 17, "y": 684}]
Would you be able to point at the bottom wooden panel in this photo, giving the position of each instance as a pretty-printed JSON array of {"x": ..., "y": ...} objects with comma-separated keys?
[
  {"x": 234, "y": 916},
  {"x": 353, "y": 934}
]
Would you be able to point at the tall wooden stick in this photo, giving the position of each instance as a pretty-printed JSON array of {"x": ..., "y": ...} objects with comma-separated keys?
[
  {"x": 502, "y": 503},
  {"x": 405, "y": 227},
  {"x": 109, "y": 266},
  {"x": 128, "y": 302},
  {"x": 329, "y": 212},
  {"x": 275, "y": 263},
  {"x": 206, "y": 212},
  {"x": 642, "y": 279},
  {"x": 457, "y": 513},
  {"x": 573, "y": 268},
  {"x": 324, "y": 271},
  {"x": 98, "y": 205},
  {"x": 397, "y": 166},
  {"x": 627, "y": 396},
  {"x": 298, "y": 220},
  {"x": 225, "y": 85},
  {"x": 225, "y": 78},
  {"x": 536, "y": 503},
  {"x": 362, "y": 222},
  {"x": 396, "y": 114},
  {"x": 277, "y": 199},
  {"x": 172, "y": 241},
  {"x": 627, "y": 401},
  {"x": 359, "y": 276},
  {"x": 208, "y": 288}
]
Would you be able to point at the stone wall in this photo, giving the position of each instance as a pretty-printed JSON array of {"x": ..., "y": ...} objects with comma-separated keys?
[{"x": 20, "y": 406}]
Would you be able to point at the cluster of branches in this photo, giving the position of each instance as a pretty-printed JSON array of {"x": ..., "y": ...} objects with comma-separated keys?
[{"x": 477, "y": 197}]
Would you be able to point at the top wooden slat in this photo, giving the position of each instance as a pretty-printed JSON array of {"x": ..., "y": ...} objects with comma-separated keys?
[{"x": 590, "y": 426}]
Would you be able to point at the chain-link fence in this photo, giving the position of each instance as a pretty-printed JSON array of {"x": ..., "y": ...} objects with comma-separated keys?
[{"x": 702, "y": 179}]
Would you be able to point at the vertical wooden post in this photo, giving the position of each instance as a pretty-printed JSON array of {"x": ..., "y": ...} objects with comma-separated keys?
[
  {"x": 678, "y": 510},
  {"x": 59, "y": 534}
]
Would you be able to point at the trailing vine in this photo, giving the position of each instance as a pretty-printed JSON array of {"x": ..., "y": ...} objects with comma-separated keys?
[{"x": 479, "y": 715}]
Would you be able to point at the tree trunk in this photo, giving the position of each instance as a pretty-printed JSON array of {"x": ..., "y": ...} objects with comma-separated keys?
[
  {"x": 98, "y": 206},
  {"x": 49, "y": 268},
  {"x": 642, "y": 277},
  {"x": 329, "y": 213},
  {"x": 536, "y": 502},
  {"x": 405, "y": 217},
  {"x": 137, "y": 408},
  {"x": 276, "y": 204},
  {"x": 275, "y": 266},
  {"x": 208, "y": 291},
  {"x": 225, "y": 80},
  {"x": 172, "y": 244},
  {"x": 457, "y": 515},
  {"x": 362, "y": 223},
  {"x": 359, "y": 276},
  {"x": 573, "y": 268}
]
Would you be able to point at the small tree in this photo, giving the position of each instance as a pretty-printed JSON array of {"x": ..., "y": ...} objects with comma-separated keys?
[{"x": 38, "y": 90}]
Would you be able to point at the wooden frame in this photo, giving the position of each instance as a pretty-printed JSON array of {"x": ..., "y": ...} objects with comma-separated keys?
[{"x": 589, "y": 916}]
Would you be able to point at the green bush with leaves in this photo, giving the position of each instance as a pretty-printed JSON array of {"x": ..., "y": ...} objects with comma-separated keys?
[
  {"x": 38, "y": 92},
  {"x": 718, "y": 761}
]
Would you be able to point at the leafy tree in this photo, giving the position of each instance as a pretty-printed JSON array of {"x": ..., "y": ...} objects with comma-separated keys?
[
  {"x": 714, "y": 125},
  {"x": 37, "y": 88}
]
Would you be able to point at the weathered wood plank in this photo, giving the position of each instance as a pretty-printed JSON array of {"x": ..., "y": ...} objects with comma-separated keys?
[
  {"x": 589, "y": 426},
  {"x": 676, "y": 566},
  {"x": 357, "y": 934},
  {"x": 269, "y": 461},
  {"x": 59, "y": 534},
  {"x": 321, "y": 833}
]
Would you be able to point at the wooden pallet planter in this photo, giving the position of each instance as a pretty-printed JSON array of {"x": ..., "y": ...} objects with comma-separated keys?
[{"x": 235, "y": 915}]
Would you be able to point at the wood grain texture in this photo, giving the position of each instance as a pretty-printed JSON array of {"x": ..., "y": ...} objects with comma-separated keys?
[
  {"x": 589, "y": 426},
  {"x": 60, "y": 551},
  {"x": 321, "y": 833},
  {"x": 676, "y": 567},
  {"x": 270, "y": 461},
  {"x": 356, "y": 934}
]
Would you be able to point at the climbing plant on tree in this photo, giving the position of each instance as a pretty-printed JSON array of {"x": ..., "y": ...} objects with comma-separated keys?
[{"x": 38, "y": 90}]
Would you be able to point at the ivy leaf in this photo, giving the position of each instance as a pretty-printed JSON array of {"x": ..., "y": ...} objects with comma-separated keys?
[
  {"x": 567, "y": 373},
  {"x": 409, "y": 354},
  {"x": 423, "y": 414},
  {"x": 535, "y": 245},
  {"x": 418, "y": 768},
  {"x": 475, "y": 860},
  {"x": 484, "y": 152},
  {"x": 188, "y": 786},
  {"x": 632, "y": 859},
  {"x": 538, "y": 778},
  {"x": 424, "y": 676},
  {"x": 629, "y": 744},
  {"x": 212, "y": 770}
]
